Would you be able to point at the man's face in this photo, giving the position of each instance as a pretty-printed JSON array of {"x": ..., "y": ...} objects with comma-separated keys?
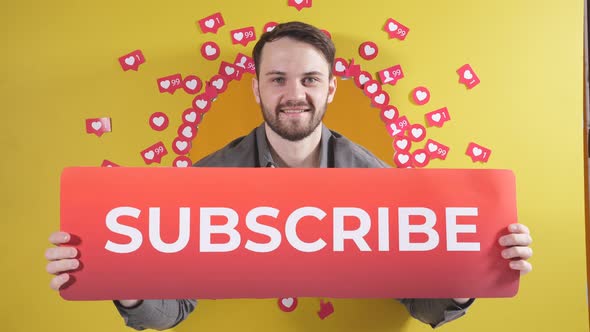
[{"x": 294, "y": 87}]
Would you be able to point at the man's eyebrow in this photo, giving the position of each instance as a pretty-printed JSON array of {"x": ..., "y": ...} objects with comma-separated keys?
[
  {"x": 313, "y": 73},
  {"x": 276, "y": 72}
]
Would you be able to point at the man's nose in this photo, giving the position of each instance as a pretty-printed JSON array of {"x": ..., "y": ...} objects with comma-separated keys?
[{"x": 295, "y": 91}]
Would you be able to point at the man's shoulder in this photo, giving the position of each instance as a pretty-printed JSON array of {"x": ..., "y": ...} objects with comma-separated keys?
[
  {"x": 350, "y": 154},
  {"x": 241, "y": 152}
]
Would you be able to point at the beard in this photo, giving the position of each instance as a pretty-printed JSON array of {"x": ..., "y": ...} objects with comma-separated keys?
[{"x": 294, "y": 129}]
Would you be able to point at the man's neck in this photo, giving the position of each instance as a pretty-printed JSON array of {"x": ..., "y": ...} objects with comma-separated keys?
[{"x": 303, "y": 153}]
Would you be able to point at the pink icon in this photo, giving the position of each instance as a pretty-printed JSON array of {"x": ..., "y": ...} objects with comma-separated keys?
[
  {"x": 98, "y": 126},
  {"x": 230, "y": 71},
  {"x": 438, "y": 118},
  {"x": 210, "y": 50},
  {"x": 218, "y": 83},
  {"x": 467, "y": 76},
  {"x": 211, "y": 23},
  {"x": 154, "y": 153},
  {"x": 380, "y": 100},
  {"x": 391, "y": 75},
  {"x": 372, "y": 88},
  {"x": 389, "y": 114},
  {"x": 436, "y": 150},
  {"x": 287, "y": 304},
  {"x": 478, "y": 152},
  {"x": 132, "y": 60},
  {"x": 159, "y": 121},
  {"x": 181, "y": 145},
  {"x": 398, "y": 126},
  {"x": 170, "y": 83},
  {"x": 191, "y": 116},
  {"x": 395, "y": 29},
  {"x": 187, "y": 131},
  {"x": 201, "y": 103},
  {"x": 192, "y": 84},
  {"x": 402, "y": 159},
  {"x": 108, "y": 163},
  {"x": 362, "y": 78},
  {"x": 326, "y": 309},
  {"x": 246, "y": 63},
  {"x": 417, "y": 132},
  {"x": 270, "y": 26},
  {"x": 182, "y": 161},
  {"x": 340, "y": 67},
  {"x": 420, "y": 158},
  {"x": 402, "y": 144},
  {"x": 421, "y": 95},
  {"x": 243, "y": 36},
  {"x": 300, "y": 4},
  {"x": 368, "y": 50}
]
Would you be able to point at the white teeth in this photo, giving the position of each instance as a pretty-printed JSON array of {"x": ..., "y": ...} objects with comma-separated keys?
[{"x": 297, "y": 111}]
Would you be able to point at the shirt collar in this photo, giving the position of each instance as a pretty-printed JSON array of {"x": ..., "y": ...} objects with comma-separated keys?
[{"x": 265, "y": 157}]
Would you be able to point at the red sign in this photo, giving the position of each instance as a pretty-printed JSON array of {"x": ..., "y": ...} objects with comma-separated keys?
[{"x": 213, "y": 233}]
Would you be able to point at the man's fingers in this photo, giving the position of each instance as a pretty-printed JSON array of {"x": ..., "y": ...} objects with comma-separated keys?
[
  {"x": 62, "y": 265},
  {"x": 519, "y": 228},
  {"x": 53, "y": 254},
  {"x": 58, "y": 281},
  {"x": 521, "y": 265},
  {"x": 517, "y": 252},
  {"x": 516, "y": 239},
  {"x": 59, "y": 237}
]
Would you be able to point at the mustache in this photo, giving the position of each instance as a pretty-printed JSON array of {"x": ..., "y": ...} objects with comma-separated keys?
[{"x": 294, "y": 103}]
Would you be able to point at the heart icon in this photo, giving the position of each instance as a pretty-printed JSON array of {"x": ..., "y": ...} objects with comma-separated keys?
[
  {"x": 390, "y": 114},
  {"x": 432, "y": 147},
  {"x": 364, "y": 79},
  {"x": 287, "y": 304},
  {"x": 181, "y": 145},
  {"x": 402, "y": 144},
  {"x": 340, "y": 68},
  {"x": 392, "y": 27},
  {"x": 209, "y": 23},
  {"x": 298, "y": 2},
  {"x": 369, "y": 50},
  {"x": 158, "y": 121},
  {"x": 191, "y": 117},
  {"x": 403, "y": 158},
  {"x": 417, "y": 132},
  {"x": 218, "y": 84},
  {"x": 238, "y": 36},
  {"x": 477, "y": 151},
  {"x": 96, "y": 125},
  {"x": 130, "y": 60},
  {"x": 187, "y": 132},
  {"x": 210, "y": 50},
  {"x": 229, "y": 70},
  {"x": 468, "y": 75},
  {"x": 421, "y": 95},
  {"x": 182, "y": 163},
  {"x": 201, "y": 103},
  {"x": 380, "y": 99},
  {"x": 192, "y": 84},
  {"x": 372, "y": 88},
  {"x": 420, "y": 157},
  {"x": 149, "y": 155},
  {"x": 165, "y": 84},
  {"x": 436, "y": 117}
]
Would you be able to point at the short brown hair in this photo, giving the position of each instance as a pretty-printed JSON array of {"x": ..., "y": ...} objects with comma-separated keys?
[{"x": 299, "y": 31}]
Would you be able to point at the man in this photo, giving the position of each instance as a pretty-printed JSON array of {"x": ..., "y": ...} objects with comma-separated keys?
[{"x": 293, "y": 85}]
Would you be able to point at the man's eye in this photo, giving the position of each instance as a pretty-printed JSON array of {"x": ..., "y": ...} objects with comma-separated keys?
[
  {"x": 278, "y": 79},
  {"x": 310, "y": 80}
]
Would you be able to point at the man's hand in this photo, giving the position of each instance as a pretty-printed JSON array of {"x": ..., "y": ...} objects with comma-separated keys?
[
  {"x": 517, "y": 248},
  {"x": 63, "y": 259}
]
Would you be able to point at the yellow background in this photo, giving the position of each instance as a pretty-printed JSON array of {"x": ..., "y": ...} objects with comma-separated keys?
[{"x": 59, "y": 66}]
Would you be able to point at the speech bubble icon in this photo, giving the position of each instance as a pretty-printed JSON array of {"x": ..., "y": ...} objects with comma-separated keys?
[
  {"x": 154, "y": 153},
  {"x": 478, "y": 152},
  {"x": 467, "y": 76},
  {"x": 436, "y": 150},
  {"x": 211, "y": 23},
  {"x": 243, "y": 36},
  {"x": 169, "y": 83},
  {"x": 438, "y": 118},
  {"x": 132, "y": 60},
  {"x": 391, "y": 75},
  {"x": 98, "y": 126},
  {"x": 299, "y": 4}
]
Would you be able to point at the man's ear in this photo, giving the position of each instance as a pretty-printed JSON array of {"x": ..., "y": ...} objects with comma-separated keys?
[
  {"x": 332, "y": 89},
  {"x": 255, "y": 90}
]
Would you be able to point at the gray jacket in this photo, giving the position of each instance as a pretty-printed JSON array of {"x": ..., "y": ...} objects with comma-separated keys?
[{"x": 253, "y": 151}]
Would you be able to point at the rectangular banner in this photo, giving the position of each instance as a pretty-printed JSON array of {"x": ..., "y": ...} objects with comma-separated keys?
[{"x": 214, "y": 233}]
